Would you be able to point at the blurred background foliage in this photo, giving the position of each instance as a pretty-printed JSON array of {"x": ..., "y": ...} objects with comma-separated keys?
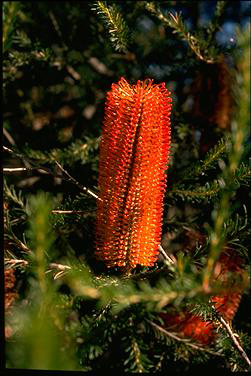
[{"x": 59, "y": 61}]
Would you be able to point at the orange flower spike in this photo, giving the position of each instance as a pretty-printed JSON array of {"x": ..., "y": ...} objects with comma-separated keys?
[{"x": 134, "y": 155}]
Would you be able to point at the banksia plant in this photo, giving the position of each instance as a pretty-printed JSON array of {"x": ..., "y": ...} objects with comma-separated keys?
[{"x": 134, "y": 157}]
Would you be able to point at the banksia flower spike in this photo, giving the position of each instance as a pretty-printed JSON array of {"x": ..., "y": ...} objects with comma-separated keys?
[
  {"x": 134, "y": 156},
  {"x": 190, "y": 326},
  {"x": 227, "y": 303},
  {"x": 10, "y": 296}
]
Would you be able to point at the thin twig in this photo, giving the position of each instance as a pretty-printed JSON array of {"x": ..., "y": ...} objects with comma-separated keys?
[
  {"x": 48, "y": 171},
  {"x": 25, "y": 160},
  {"x": 29, "y": 161},
  {"x": 57, "y": 28},
  {"x": 171, "y": 259},
  {"x": 15, "y": 261},
  {"x": 52, "y": 265},
  {"x": 19, "y": 243},
  {"x": 8, "y": 136},
  {"x": 70, "y": 212},
  {"x": 42, "y": 170},
  {"x": 187, "y": 341},
  {"x": 233, "y": 337},
  {"x": 17, "y": 169},
  {"x": 74, "y": 181}
]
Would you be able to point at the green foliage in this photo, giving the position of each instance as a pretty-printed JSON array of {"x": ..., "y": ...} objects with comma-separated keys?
[
  {"x": 11, "y": 12},
  {"x": 114, "y": 23},
  {"x": 211, "y": 158},
  {"x": 42, "y": 328},
  {"x": 214, "y": 25},
  {"x": 198, "y": 43},
  {"x": 135, "y": 361},
  {"x": 40, "y": 235},
  {"x": 210, "y": 190},
  {"x": 240, "y": 135},
  {"x": 12, "y": 195},
  {"x": 76, "y": 151}
]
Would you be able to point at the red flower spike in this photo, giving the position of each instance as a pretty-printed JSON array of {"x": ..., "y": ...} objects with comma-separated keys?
[
  {"x": 227, "y": 304},
  {"x": 134, "y": 155},
  {"x": 190, "y": 326}
]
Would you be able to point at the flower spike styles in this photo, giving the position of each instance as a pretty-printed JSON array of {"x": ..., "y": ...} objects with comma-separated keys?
[{"x": 134, "y": 155}]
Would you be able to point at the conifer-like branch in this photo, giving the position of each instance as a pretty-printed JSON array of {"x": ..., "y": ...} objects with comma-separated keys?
[
  {"x": 198, "y": 194},
  {"x": 114, "y": 23},
  {"x": 241, "y": 176},
  {"x": 14, "y": 239},
  {"x": 214, "y": 25},
  {"x": 15, "y": 197},
  {"x": 11, "y": 11},
  {"x": 76, "y": 151},
  {"x": 135, "y": 357},
  {"x": 198, "y": 46},
  {"x": 211, "y": 158}
]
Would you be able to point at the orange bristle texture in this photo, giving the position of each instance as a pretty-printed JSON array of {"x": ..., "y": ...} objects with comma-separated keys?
[{"x": 134, "y": 155}]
